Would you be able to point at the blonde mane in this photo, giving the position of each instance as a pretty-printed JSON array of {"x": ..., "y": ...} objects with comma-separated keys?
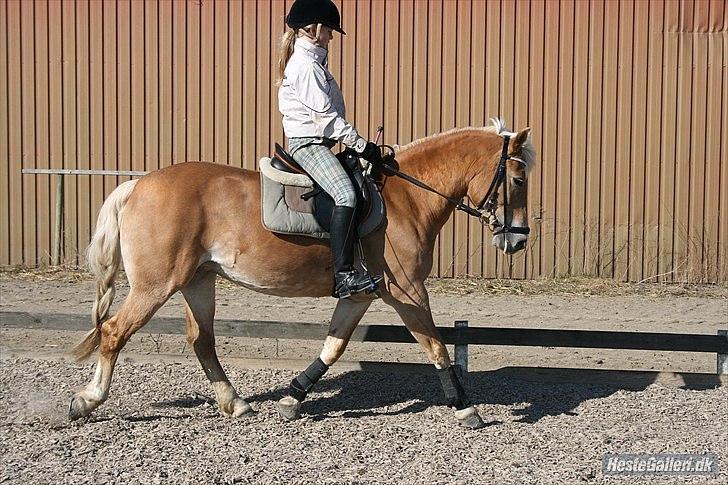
[
  {"x": 498, "y": 127},
  {"x": 420, "y": 141}
]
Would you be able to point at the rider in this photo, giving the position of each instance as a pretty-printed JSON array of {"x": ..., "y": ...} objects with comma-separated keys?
[{"x": 313, "y": 112}]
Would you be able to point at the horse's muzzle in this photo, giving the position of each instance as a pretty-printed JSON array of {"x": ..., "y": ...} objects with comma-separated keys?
[{"x": 510, "y": 243}]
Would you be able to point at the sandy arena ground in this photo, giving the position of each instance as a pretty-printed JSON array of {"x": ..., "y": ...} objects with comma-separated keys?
[{"x": 160, "y": 425}]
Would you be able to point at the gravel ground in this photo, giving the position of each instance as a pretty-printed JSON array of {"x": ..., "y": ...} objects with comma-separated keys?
[{"x": 159, "y": 426}]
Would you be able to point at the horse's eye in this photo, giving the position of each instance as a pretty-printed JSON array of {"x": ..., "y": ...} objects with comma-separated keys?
[{"x": 519, "y": 181}]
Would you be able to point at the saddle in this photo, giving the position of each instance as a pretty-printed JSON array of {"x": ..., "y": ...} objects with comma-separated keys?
[
  {"x": 284, "y": 162},
  {"x": 292, "y": 203}
]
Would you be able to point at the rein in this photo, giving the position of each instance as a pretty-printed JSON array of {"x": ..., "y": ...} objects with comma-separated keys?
[{"x": 485, "y": 211}]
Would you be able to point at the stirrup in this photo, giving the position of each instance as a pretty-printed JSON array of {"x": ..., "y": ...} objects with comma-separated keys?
[{"x": 348, "y": 283}]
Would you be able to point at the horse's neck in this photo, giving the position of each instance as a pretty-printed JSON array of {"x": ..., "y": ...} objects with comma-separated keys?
[{"x": 447, "y": 164}]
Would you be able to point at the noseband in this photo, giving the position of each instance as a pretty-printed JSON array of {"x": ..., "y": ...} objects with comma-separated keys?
[{"x": 486, "y": 210}]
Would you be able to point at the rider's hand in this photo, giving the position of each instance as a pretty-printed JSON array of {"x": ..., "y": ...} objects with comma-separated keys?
[{"x": 372, "y": 154}]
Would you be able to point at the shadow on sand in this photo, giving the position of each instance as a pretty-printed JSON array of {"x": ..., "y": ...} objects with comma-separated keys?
[{"x": 544, "y": 391}]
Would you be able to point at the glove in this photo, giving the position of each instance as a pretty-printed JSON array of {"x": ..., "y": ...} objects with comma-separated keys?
[
  {"x": 372, "y": 154},
  {"x": 389, "y": 163}
]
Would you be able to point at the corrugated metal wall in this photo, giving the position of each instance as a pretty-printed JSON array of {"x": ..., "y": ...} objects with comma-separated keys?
[{"x": 628, "y": 102}]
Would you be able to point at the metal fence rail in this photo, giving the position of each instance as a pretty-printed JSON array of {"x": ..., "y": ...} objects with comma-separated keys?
[
  {"x": 461, "y": 335},
  {"x": 73, "y": 171},
  {"x": 60, "y": 217}
]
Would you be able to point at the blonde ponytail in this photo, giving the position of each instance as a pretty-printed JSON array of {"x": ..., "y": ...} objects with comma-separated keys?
[{"x": 287, "y": 42}]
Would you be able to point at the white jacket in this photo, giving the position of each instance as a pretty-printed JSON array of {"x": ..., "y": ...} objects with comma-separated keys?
[{"x": 310, "y": 99}]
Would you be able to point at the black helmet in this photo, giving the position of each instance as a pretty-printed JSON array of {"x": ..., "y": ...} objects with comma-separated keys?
[{"x": 307, "y": 12}]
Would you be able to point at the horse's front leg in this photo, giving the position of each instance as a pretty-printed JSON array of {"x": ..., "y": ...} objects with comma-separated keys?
[
  {"x": 346, "y": 316},
  {"x": 413, "y": 306}
]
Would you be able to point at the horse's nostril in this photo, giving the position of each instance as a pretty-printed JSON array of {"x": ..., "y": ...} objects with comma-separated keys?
[{"x": 511, "y": 249}]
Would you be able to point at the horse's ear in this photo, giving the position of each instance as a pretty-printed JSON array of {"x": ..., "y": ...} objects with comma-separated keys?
[{"x": 521, "y": 138}]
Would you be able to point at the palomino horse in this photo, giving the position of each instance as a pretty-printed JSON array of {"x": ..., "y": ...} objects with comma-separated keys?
[{"x": 177, "y": 229}]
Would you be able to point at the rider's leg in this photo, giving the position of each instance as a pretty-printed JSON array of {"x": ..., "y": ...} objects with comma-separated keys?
[
  {"x": 343, "y": 232},
  {"x": 321, "y": 164}
]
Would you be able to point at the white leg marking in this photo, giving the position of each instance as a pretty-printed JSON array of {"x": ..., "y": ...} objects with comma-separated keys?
[
  {"x": 225, "y": 392},
  {"x": 94, "y": 390},
  {"x": 333, "y": 348}
]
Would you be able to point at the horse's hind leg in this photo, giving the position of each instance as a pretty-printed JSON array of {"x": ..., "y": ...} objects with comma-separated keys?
[
  {"x": 346, "y": 316},
  {"x": 200, "y": 308},
  {"x": 134, "y": 313}
]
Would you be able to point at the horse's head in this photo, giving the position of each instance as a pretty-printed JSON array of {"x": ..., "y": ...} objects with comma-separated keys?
[{"x": 501, "y": 186}]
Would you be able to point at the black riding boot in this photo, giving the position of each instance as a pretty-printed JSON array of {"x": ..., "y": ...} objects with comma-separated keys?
[{"x": 348, "y": 279}]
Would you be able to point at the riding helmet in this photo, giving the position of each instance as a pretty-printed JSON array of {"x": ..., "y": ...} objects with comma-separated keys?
[{"x": 307, "y": 12}]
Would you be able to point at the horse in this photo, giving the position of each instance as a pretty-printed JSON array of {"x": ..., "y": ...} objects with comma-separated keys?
[{"x": 180, "y": 227}]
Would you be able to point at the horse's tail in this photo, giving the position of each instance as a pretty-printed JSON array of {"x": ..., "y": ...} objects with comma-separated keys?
[{"x": 104, "y": 259}]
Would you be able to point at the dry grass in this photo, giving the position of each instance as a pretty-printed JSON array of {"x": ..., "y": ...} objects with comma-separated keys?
[
  {"x": 570, "y": 286},
  {"x": 47, "y": 273}
]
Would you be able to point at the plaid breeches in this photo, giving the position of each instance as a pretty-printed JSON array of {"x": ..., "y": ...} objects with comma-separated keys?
[{"x": 323, "y": 166}]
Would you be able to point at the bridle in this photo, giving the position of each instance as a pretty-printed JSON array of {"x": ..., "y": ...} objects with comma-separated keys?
[
  {"x": 486, "y": 210},
  {"x": 489, "y": 203}
]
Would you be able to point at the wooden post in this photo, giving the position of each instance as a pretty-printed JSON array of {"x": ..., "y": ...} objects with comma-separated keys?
[
  {"x": 461, "y": 350},
  {"x": 58, "y": 229},
  {"x": 722, "y": 367}
]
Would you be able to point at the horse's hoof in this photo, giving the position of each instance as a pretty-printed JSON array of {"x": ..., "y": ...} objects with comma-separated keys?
[
  {"x": 469, "y": 418},
  {"x": 78, "y": 408},
  {"x": 289, "y": 408},
  {"x": 241, "y": 408}
]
